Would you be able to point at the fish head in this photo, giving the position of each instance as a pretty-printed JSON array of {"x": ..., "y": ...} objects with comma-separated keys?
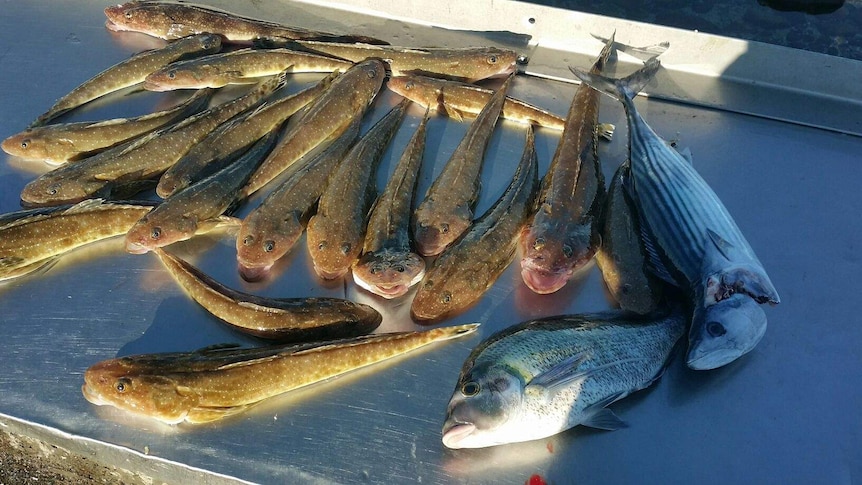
[
  {"x": 722, "y": 332},
  {"x": 172, "y": 77},
  {"x": 550, "y": 257},
  {"x": 419, "y": 89},
  {"x": 54, "y": 188},
  {"x": 446, "y": 289},
  {"x": 32, "y": 145},
  {"x": 154, "y": 232},
  {"x": 331, "y": 256},
  {"x": 262, "y": 241},
  {"x": 434, "y": 230},
  {"x": 117, "y": 383},
  {"x": 389, "y": 274},
  {"x": 171, "y": 183},
  {"x": 486, "y": 401},
  {"x": 493, "y": 62},
  {"x": 153, "y": 19},
  {"x": 367, "y": 78}
]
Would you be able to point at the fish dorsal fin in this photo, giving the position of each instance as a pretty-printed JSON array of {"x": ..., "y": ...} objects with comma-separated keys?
[
  {"x": 244, "y": 363},
  {"x": 217, "y": 347},
  {"x": 85, "y": 205},
  {"x": 606, "y": 130},
  {"x": 202, "y": 414},
  {"x": 598, "y": 416}
]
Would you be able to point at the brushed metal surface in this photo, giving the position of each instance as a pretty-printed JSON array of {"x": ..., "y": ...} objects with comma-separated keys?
[{"x": 786, "y": 413}]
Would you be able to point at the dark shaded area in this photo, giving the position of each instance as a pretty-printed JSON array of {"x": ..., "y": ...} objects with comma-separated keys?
[{"x": 835, "y": 30}]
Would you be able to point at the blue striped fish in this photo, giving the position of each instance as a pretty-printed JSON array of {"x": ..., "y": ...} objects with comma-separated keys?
[{"x": 693, "y": 236}]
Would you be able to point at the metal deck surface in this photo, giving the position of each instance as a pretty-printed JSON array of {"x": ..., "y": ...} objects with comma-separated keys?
[{"x": 786, "y": 413}]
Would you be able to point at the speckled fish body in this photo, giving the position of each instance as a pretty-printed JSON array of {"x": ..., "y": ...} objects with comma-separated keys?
[
  {"x": 447, "y": 209},
  {"x": 207, "y": 385},
  {"x": 31, "y": 239},
  {"x": 465, "y": 271},
  {"x": 59, "y": 143},
  {"x": 694, "y": 237},
  {"x": 170, "y": 20},
  {"x": 199, "y": 207},
  {"x": 538, "y": 378},
  {"x": 129, "y": 73},
  {"x": 238, "y": 67},
  {"x": 563, "y": 234},
  {"x": 235, "y": 136},
  {"x": 460, "y": 100},
  {"x": 282, "y": 319},
  {"x": 269, "y": 231},
  {"x": 465, "y": 64},
  {"x": 388, "y": 265},
  {"x": 346, "y": 100},
  {"x": 142, "y": 159},
  {"x": 622, "y": 256},
  {"x": 336, "y": 232}
]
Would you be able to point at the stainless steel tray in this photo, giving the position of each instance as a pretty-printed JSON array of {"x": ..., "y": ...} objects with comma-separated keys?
[{"x": 786, "y": 413}]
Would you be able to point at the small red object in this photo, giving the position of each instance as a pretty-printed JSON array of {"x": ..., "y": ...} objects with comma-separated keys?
[{"x": 535, "y": 480}]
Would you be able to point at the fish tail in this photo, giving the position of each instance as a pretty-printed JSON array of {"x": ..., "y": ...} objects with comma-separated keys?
[
  {"x": 620, "y": 89},
  {"x": 604, "y": 55}
]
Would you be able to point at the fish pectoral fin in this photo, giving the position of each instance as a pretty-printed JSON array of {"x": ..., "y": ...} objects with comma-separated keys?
[
  {"x": 562, "y": 374},
  {"x": 606, "y": 130},
  {"x": 34, "y": 268},
  {"x": 201, "y": 415},
  {"x": 605, "y": 419},
  {"x": 220, "y": 222},
  {"x": 655, "y": 264},
  {"x": 723, "y": 247},
  {"x": 217, "y": 347}
]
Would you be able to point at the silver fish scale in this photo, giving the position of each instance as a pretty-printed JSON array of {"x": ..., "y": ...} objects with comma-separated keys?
[{"x": 677, "y": 204}]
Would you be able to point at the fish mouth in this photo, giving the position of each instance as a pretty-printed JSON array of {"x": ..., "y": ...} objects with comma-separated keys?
[
  {"x": 454, "y": 434},
  {"x": 113, "y": 27},
  {"x": 543, "y": 282},
  {"x": 253, "y": 273},
  {"x": 390, "y": 291},
  {"x": 92, "y": 396},
  {"x": 136, "y": 248},
  {"x": 156, "y": 86},
  {"x": 329, "y": 275},
  {"x": 712, "y": 360}
]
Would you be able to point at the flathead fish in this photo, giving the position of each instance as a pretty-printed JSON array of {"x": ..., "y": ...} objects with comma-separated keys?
[
  {"x": 696, "y": 243},
  {"x": 269, "y": 231},
  {"x": 128, "y": 166},
  {"x": 282, "y": 319},
  {"x": 198, "y": 208},
  {"x": 447, "y": 209},
  {"x": 541, "y": 377},
  {"x": 170, "y": 20},
  {"x": 388, "y": 265},
  {"x": 622, "y": 255},
  {"x": 238, "y": 67},
  {"x": 234, "y": 136},
  {"x": 465, "y": 271},
  {"x": 346, "y": 100},
  {"x": 211, "y": 384},
  {"x": 336, "y": 232},
  {"x": 32, "y": 239},
  {"x": 563, "y": 234},
  {"x": 467, "y": 64},
  {"x": 130, "y": 72},
  {"x": 461, "y": 100},
  {"x": 59, "y": 143}
]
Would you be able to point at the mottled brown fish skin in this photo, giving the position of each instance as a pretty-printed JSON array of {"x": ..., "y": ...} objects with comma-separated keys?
[
  {"x": 144, "y": 159},
  {"x": 59, "y": 143},
  {"x": 458, "y": 100},
  {"x": 242, "y": 66},
  {"x": 388, "y": 265},
  {"x": 234, "y": 136},
  {"x": 621, "y": 256},
  {"x": 198, "y": 208},
  {"x": 208, "y": 385},
  {"x": 282, "y": 319},
  {"x": 447, "y": 210},
  {"x": 563, "y": 234},
  {"x": 336, "y": 232},
  {"x": 467, "y": 64},
  {"x": 269, "y": 231},
  {"x": 464, "y": 272},
  {"x": 29, "y": 239},
  {"x": 168, "y": 20},
  {"x": 346, "y": 100},
  {"x": 130, "y": 72}
]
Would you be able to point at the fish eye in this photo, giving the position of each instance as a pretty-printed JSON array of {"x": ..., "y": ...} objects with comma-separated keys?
[
  {"x": 268, "y": 246},
  {"x": 445, "y": 228},
  {"x": 568, "y": 251},
  {"x": 53, "y": 189},
  {"x": 25, "y": 143},
  {"x": 371, "y": 73},
  {"x": 123, "y": 384},
  {"x": 321, "y": 245},
  {"x": 399, "y": 268},
  {"x": 470, "y": 389},
  {"x": 128, "y": 14},
  {"x": 409, "y": 85},
  {"x": 345, "y": 248},
  {"x": 171, "y": 74},
  {"x": 447, "y": 297},
  {"x": 423, "y": 224},
  {"x": 248, "y": 240},
  {"x": 539, "y": 243},
  {"x": 156, "y": 232},
  {"x": 374, "y": 270},
  {"x": 428, "y": 284},
  {"x": 715, "y": 329}
]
